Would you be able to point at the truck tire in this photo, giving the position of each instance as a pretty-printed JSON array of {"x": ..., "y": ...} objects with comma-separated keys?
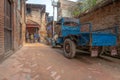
[{"x": 69, "y": 49}]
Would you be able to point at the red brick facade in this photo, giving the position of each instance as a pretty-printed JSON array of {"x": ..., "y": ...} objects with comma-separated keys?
[
  {"x": 37, "y": 15},
  {"x": 17, "y": 22},
  {"x": 104, "y": 17}
]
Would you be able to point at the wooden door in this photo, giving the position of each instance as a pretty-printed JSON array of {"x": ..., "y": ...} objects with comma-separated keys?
[{"x": 8, "y": 26}]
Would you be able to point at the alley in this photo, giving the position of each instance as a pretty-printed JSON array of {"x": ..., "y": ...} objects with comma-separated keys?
[{"x": 41, "y": 62}]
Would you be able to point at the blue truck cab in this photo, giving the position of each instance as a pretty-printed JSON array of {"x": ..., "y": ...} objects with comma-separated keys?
[{"x": 74, "y": 36}]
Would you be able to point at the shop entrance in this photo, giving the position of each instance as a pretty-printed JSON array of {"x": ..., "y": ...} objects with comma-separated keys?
[{"x": 32, "y": 32}]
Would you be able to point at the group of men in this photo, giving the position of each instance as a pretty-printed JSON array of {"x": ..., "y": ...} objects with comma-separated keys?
[{"x": 32, "y": 38}]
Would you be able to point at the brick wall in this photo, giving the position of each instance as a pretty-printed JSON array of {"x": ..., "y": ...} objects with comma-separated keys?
[
  {"x": 16, "y": 27},
  {"x": 1, "y": 27},
  {"x": 107, "y": 16},
  {"x": 23, "y": 21},
  {"x": 35, "y": 16},
  {"x": 16, "y": 41},
  {"x": 19, "y": 23},
  {"x": 43, "y": 30},
  {"x": 104, "y": 17}
]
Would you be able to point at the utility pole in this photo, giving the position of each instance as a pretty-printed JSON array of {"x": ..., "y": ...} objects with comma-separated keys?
[
  {"x": 54, "y": 4},
  {"x": 53, "y": 20}
]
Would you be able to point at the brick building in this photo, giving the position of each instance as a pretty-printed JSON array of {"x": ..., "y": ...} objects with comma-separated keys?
[
  {"x": 49, "y": 27},
  {"x": 64, "y": 8},
  {"x": 36, "y": 20},
  {"x": 12, "y": 23}
]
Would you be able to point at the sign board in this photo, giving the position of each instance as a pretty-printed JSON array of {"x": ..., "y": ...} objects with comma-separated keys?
[{"x": 54, "y": 4}]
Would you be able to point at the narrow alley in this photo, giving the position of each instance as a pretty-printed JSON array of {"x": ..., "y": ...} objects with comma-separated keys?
[
  {"x": 41, "y": 62},
  {"x": 59, "y": 39}
]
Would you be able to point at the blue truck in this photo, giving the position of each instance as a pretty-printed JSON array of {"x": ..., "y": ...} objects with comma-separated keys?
[{"x": 74, "y": 36}]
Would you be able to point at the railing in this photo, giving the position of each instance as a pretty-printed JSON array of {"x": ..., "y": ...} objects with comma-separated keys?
[
  {"x": 87, "y": 30},
  {"x": 113, "y": 30},
  {"x": 86, "y": 27}
]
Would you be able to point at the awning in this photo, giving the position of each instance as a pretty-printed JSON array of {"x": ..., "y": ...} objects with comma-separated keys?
[{"x": 32, "y": 25}]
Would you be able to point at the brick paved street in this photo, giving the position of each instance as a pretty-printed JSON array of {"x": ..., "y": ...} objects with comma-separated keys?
[{"x": 41, "y": 62}]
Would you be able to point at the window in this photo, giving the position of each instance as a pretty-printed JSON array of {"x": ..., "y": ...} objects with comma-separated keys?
[
  {"x": 19, "y": 4},
  {"x": 37, "y": 10},
  {"x": 71, "y": 24},
  {"x": 28, "y": 10}
]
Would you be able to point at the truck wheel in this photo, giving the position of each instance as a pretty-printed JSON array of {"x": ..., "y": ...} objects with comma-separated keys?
[{"x": 69, "y": 48}]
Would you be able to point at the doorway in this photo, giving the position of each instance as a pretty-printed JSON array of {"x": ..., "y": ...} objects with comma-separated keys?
[{"x": 8, "y": 26}]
